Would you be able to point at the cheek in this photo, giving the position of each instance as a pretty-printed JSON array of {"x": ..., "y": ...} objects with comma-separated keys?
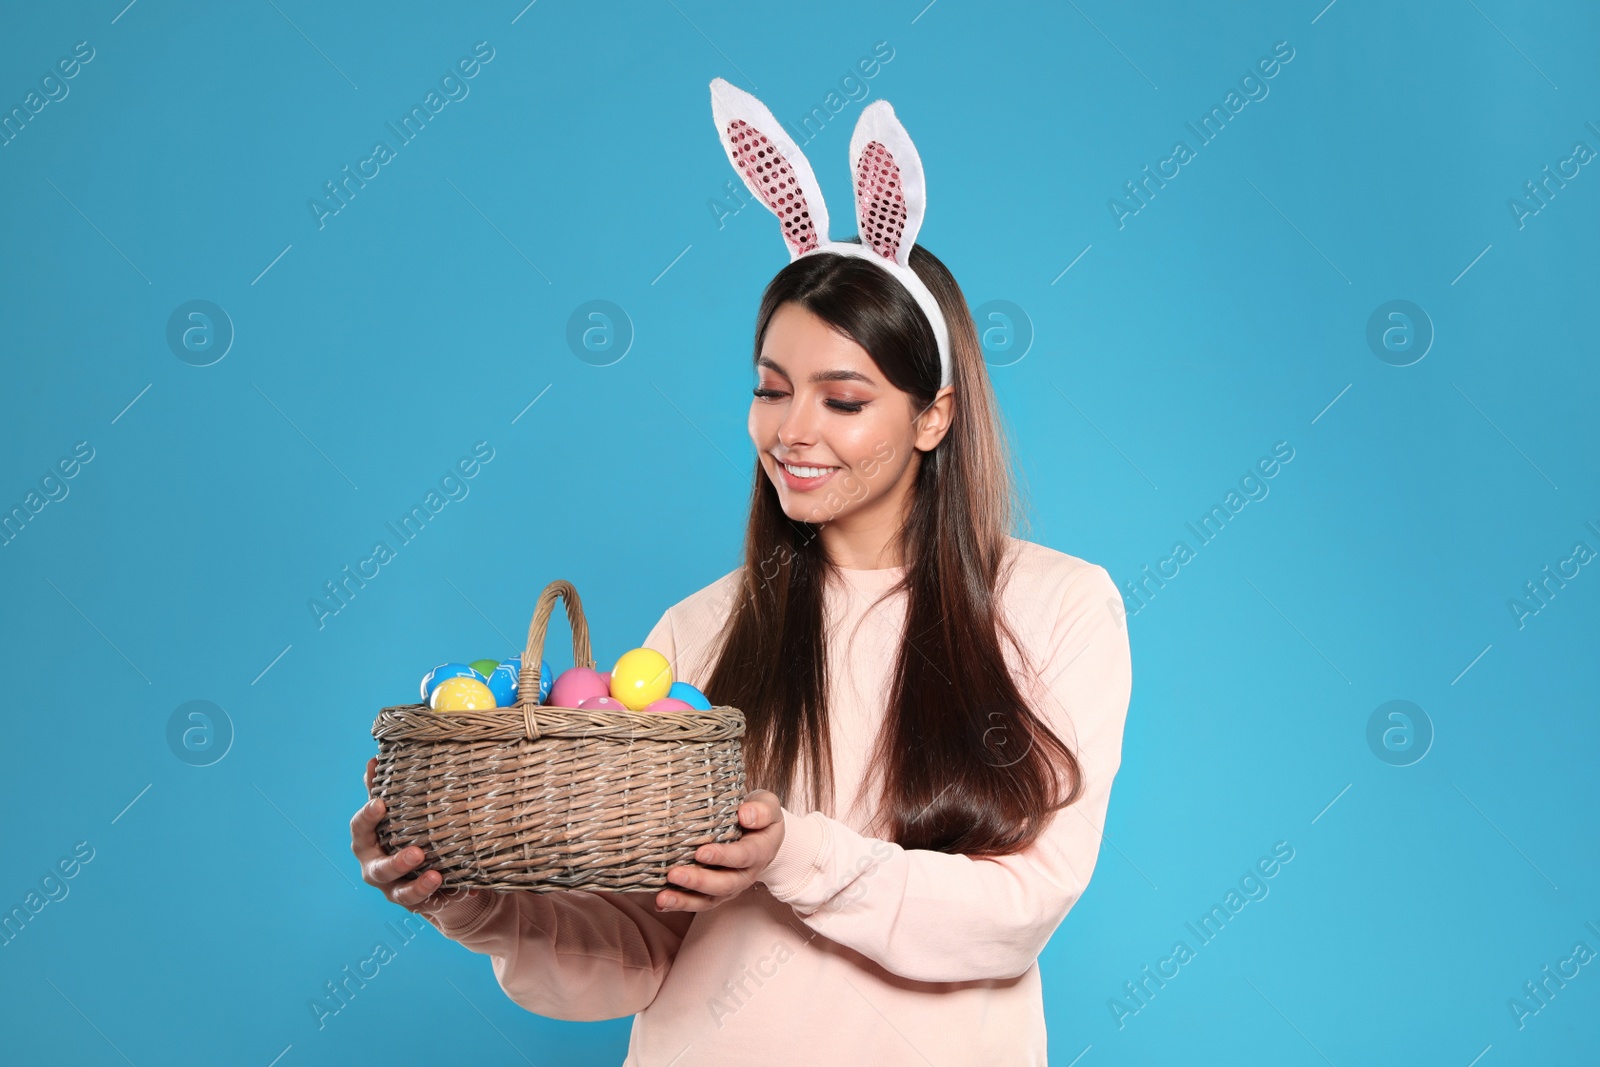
[
  {"x": 877, "y": 456},
  {"x": 761, "y": 426},
  {"x": 875, "y": 451},
  {"x": 880, "y": 473}
]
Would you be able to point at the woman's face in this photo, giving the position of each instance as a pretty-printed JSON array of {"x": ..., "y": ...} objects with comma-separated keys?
[{"x": 834, "y": 436}]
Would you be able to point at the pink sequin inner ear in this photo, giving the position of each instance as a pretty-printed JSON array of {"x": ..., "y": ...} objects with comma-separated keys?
[
  {"x": 772, "y": 176},
  {"x": 879, "y": 200}
]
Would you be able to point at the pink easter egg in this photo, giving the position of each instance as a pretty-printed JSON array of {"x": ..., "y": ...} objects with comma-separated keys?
[
  {"x": 607, "y": 676},
  {"x": 577, "y": 684},
  {"x": 601, "y": 704},
  {"x": 669, "y": 704}
]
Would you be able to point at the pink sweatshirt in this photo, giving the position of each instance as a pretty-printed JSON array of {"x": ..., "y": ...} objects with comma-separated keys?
[{"x": 850, "y": 949}]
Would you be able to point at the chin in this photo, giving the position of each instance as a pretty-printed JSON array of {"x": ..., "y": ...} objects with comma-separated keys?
[
  {"x": 797, "y": 510},
  {"x": 795, "y": 507}
]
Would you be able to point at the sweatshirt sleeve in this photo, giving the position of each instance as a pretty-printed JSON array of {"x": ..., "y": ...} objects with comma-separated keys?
[
  {"x": 937, "y": 917},
  {"x": 580, "y": 956}
]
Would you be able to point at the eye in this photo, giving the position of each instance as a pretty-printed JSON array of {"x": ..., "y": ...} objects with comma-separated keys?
[
  {"x": 852, "y": 407},
  {"x": 766, "y": 394}
]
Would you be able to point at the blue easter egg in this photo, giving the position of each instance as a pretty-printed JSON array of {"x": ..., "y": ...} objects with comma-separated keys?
[
  {"x": 444, "y": 671},
  {"x": 503, "y": 682},
  {"x": 689, "y": 695}
]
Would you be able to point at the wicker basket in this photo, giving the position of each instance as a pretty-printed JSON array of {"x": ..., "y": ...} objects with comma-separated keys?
[{"x": 546, "y": 799}]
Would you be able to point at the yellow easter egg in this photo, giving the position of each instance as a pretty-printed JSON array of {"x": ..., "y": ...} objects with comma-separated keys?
[
  {"x": 461, "y": 694},
  {"x": 641, "y": 676}
]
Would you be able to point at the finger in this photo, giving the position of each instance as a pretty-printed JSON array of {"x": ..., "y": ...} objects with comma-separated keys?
[
  {"x": 759, "y": 810},
  {"x": 732, "y": 854},
  {"x": 712, "y": 883},
  {"x": 385, "y": 869},
  {"x": 363, "y": 831},
  {"x": 414, "y": 892},
  {"x": 372, "y": 767},
  {"x": 679, "y": 900},
  {"x": 743, "y": 853}
]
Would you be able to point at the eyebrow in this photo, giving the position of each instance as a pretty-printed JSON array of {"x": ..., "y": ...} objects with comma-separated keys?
[{"x": 821, "y": 375}]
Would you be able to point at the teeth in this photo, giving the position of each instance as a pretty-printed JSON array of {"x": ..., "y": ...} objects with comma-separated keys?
[{"x": 806, "y": 472}]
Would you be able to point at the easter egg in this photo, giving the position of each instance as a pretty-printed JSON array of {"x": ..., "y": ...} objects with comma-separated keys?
[
  {"x": 444, "y": 671},
  {"x": 461, "y": 694},
  {"x": 484, "y": 667},
  {"x": 547, "y": 678},
  {"x": 689, "y": 695},
  {"x": 669, "y": 704},
  {"x": 641, "y": 676},
  {"x": 577, "y": 684},
  {"x": 600, "y": 704},
  {"x": 503, "y": 681}
]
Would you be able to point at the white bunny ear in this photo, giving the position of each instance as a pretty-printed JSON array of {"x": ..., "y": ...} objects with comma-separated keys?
[
  {"x": 771, "y": 164},
  {"x": 891, "y": 196}
]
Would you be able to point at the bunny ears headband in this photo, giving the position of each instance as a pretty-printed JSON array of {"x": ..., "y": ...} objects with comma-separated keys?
[{"x": 891, "y": 197}]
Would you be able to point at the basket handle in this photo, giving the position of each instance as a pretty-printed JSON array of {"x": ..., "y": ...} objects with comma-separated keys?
[{"x": 528, "y": 678}]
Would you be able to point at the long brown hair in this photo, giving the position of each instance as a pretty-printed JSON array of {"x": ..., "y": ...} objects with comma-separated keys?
[{"x": 965, "y": 766}]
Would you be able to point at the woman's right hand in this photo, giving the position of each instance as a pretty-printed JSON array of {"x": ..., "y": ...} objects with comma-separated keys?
[{"x": 389, "y": 871}]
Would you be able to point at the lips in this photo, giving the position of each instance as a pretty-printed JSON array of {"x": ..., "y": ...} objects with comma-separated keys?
[{"x": 800, "y": 484}]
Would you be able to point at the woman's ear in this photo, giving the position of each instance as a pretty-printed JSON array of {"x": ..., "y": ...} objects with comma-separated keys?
[{"x": 934, "y": 421}]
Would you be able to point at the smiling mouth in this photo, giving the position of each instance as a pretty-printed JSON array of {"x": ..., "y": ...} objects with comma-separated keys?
[{"x": 802, "y": 478}]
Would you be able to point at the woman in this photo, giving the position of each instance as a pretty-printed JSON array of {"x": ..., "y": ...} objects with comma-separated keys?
[{"x": 934, "y": 707}]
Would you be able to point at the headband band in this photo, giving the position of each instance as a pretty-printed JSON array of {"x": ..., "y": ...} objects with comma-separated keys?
[{"x": 891, "y": 196}]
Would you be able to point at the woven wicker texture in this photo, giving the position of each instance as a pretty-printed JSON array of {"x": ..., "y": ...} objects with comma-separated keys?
[{"x": 549, "y": 799}]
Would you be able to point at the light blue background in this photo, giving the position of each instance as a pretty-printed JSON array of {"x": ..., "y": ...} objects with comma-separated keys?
[{"x": 1227, "y": 315}]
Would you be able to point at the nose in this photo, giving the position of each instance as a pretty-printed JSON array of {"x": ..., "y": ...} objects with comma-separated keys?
[{"x": 798, "y": 427}]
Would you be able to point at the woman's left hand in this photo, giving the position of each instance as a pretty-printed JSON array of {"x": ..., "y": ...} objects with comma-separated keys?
[{"x": 732, "y": 866}]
